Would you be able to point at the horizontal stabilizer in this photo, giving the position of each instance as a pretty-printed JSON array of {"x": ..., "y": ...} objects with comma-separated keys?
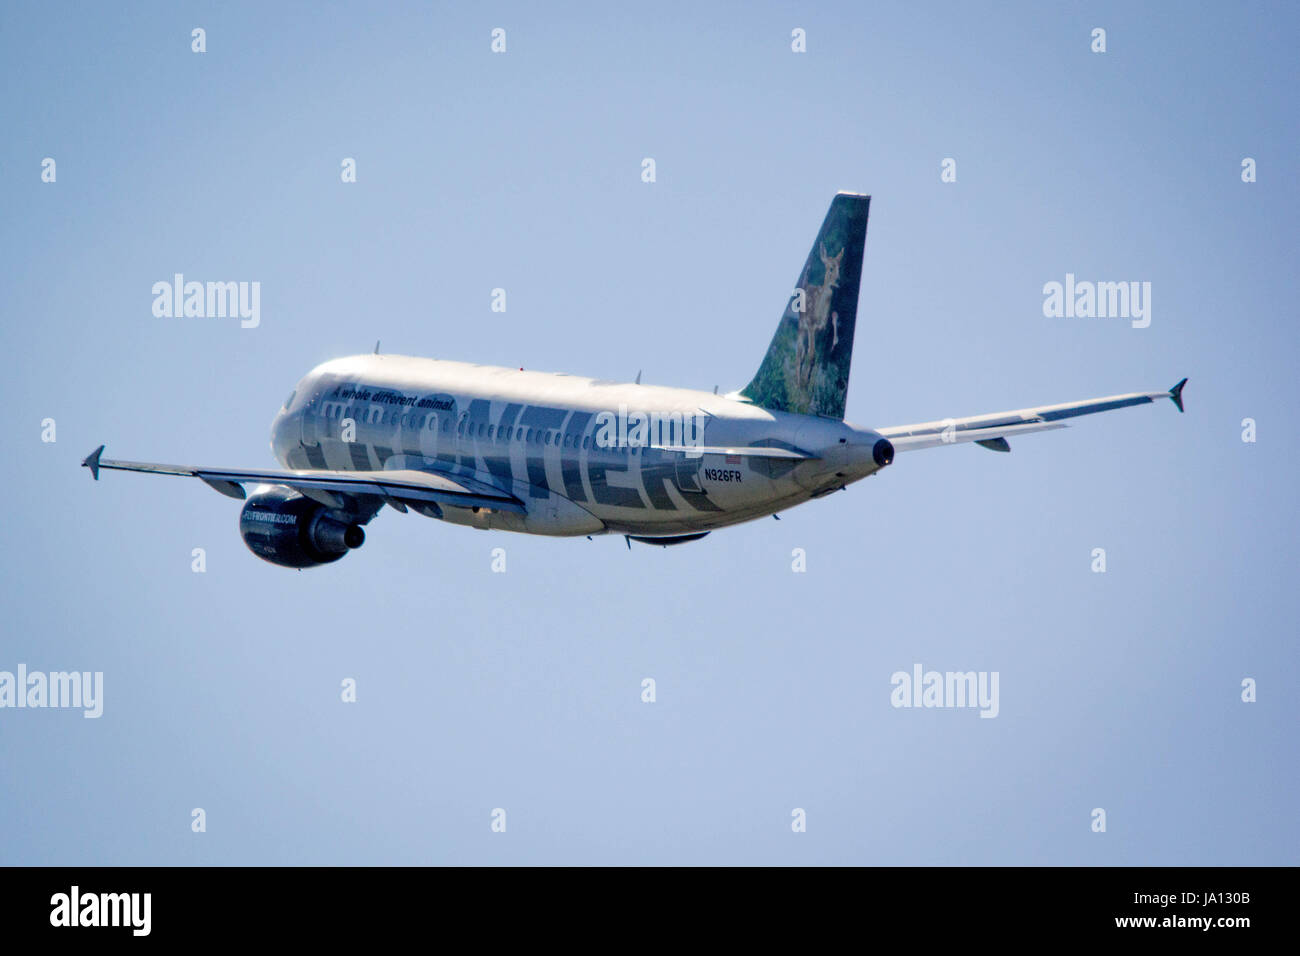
[
  {"x": 953, "y": 433},
  {"x": 987, "y": 430}
]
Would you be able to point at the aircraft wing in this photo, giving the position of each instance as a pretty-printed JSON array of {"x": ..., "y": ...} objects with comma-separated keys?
[
  {"x": 323, "y": 486},
  {"x": 992, "y": 430}
]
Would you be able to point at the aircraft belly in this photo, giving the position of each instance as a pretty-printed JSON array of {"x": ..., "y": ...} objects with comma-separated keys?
[
  {"x": 555, "y": 517},
  {"x": 678, "y": 496}
]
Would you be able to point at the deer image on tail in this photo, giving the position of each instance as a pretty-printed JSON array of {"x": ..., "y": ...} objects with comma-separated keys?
[{"x": 815, "y": 316}]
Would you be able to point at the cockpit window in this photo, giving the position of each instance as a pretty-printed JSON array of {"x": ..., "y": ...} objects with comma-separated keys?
[{"x": 289, "y": 401}]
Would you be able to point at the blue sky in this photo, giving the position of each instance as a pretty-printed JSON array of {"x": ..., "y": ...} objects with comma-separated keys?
[{"x": 521, "y": 690}]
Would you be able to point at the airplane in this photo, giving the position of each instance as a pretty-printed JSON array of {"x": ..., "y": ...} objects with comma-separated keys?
[{"x": 556, "y": 454}]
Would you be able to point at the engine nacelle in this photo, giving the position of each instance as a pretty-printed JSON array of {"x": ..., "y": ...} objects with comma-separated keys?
[{"x": 285, "y": 527}]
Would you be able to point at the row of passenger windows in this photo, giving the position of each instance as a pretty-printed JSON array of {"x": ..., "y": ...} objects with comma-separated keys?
[{"x": 537, "y": 436}]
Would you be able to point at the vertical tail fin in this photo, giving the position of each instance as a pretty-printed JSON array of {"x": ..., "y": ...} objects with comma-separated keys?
[{"x": 806, "y": 368}]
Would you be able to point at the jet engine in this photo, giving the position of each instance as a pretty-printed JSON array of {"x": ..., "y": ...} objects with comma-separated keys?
[{"x": 285, "y": 527}]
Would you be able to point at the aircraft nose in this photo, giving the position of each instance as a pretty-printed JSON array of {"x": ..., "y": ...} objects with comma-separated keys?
[{"x": 284, "y": 434}]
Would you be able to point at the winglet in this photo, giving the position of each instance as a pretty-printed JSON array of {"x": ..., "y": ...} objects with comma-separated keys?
[
  {"x": 91, "y": 461},
  {"x": 1176, "y": 393}
]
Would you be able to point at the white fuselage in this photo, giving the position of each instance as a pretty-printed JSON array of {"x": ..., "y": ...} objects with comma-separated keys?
[{"x": 539, "y": 436}]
